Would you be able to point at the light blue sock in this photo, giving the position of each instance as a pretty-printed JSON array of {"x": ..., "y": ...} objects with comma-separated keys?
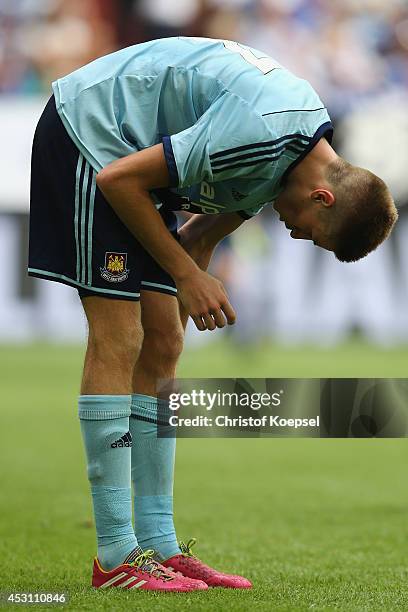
[
  {"x": 153, "y": 476},
  {"x": 105, "y": 431}
]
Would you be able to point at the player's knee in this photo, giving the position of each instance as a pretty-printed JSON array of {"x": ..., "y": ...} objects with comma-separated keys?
[
  {"x": 116, "y": 344},
  {"x": 162, "y": 346}
]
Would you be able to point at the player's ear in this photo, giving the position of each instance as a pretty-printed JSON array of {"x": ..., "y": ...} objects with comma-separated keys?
[{"x": 325, "y": 197}]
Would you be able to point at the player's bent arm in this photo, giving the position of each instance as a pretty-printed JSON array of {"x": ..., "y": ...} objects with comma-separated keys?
[
  {"x": 201, "y": 233},
  {"x": 126, "y": 184},
  {"x": 209, "y": 230}
]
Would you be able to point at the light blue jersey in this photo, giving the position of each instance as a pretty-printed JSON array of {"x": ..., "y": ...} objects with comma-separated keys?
[{"x": 233, "y": 121}]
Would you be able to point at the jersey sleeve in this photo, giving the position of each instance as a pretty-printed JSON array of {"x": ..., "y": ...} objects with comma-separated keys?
[{"x": 221, "y": 145}]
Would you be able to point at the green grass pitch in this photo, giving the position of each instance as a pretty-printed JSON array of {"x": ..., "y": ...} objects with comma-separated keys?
[{"x": 315, "y": 524}]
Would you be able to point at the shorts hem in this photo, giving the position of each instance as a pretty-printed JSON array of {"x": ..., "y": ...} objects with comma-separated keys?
[
  {"x": 168, "y": 289},
  {"x": 65, "y": 280}
]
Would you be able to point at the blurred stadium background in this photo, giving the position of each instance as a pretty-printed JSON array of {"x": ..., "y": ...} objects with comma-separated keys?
[{"x": 328, "y": 518}]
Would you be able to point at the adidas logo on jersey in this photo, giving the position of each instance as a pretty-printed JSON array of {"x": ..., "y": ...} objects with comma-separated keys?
[
  {"x": 238, "y": 196},
  {"x": 125, "y": 440}
]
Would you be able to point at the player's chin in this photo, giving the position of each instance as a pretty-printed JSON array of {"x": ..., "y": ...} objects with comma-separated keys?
[{"x": 296, "y": 235}]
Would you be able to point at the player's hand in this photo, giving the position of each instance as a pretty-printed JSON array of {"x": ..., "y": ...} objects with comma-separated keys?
[{"x": 206, "y": 301}]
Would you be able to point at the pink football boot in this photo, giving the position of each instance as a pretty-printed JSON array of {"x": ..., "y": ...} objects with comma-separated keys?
[
  {"x": 192, "y": 567},
  {"x": 146, "y": 574}
]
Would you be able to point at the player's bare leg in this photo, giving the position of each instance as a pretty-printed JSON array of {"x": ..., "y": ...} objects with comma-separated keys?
[
  {"x": 162, "y": 343},
  {"x": 153, "y": 457},
  {"x": 114, "y": 342}
]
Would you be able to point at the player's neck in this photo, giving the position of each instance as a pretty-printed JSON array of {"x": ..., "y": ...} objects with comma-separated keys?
[{"x": 313, "y": 167}]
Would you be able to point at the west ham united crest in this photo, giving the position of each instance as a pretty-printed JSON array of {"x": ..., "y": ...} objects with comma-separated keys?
[{"x": 115, "y": 270}]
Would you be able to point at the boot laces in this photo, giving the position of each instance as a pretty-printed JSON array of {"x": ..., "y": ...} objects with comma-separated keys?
[
  {"x": 203, "y": 570},
  {"x": 186, "y": 547},
  {"x": 145, "y": 562}
]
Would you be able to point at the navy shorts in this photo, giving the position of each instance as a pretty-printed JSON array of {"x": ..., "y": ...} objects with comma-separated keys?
[{"x": 75, "y": 236}]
